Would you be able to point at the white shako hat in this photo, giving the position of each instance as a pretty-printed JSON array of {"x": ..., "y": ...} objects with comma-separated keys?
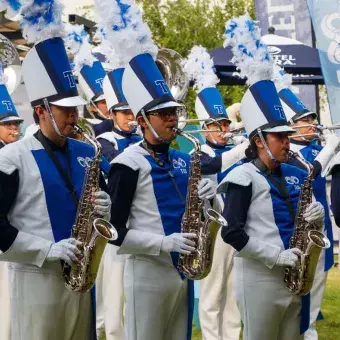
[
  {"x": 113, "y": 90},
  {"x": 8, "y": 111},
  {"x": 91, "y": 81},
  {"x": 46, "y": 69},
  {"x": 199, "y": 68},
  {"x": 293, "y": 107},
  {"x": 47, "y": 74},
  {"x": 143, "y": 85},
  {"x": 261, "y": 109}
]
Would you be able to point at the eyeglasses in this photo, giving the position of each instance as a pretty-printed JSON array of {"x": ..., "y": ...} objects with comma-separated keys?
[
  {"x": 164, "y": 114},
  {"x": 10, "y": 123}
]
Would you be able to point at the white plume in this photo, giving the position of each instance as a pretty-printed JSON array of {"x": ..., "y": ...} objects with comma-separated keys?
[
  {"x": 251, "y": 55},
  {"x": 123, "y": 24},
  {"x": 199, "y": 67},
  {"x": 77, "y": 41}
]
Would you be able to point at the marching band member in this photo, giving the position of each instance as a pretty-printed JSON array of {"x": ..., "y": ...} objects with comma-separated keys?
[
  {"x": 148, "y": 184},
  {"x": 90, "y": 73},
  {"x": 41, "y": 179},
  {"x": 219, "y": 315},
  {"x": 10, "y": 123},
  {"x": 123, "y": 132},
  {"x": 303, "y": 142},
  {"x": 260, "y": 218}
]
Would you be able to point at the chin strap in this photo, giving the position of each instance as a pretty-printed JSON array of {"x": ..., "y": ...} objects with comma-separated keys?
[
  {"x": 271, "y": 156},
  {"x": 55, "y": 126},
  {"x": 153, "y": 131},
  {"x": 100, "y": 113}
]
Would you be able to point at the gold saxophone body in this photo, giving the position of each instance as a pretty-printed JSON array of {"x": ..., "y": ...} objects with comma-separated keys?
[
  {"x": 307, "y": 237},
  {"x": 197, "y": 265},
  {"x": 91, "y": 230}
]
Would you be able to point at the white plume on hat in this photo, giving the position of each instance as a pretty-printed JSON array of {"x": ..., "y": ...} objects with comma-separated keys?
[
  {"x": 251, "y": 55},
  {"x": 41, "y": 20},
  {"x": 281, "y": 79},
  {"x": 105, "y": 47},
  {"x": 199, "y": 67},
  {"x": 12, "y": 7},
  {"x": 123, "y": 24},
  {"x": 234, "y": 115},
  {"x": 77, "y": 41}
]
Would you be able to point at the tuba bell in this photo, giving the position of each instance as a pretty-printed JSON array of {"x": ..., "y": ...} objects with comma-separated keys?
[{"x": 11, "y": 64}]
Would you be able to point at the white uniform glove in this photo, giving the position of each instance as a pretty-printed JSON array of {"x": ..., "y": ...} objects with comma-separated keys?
[
  {"x": 288, "y": 258},
  {"x": 102, "y": 204},
  {"x": 66, "y": 250},
  {"x": 237, "y": 140},
  {"x": 315, "y": 212},
  {"x": 206, "y": 189},
  {"x": 179, "y": 242},
  {"x": 327, "y": 154}
]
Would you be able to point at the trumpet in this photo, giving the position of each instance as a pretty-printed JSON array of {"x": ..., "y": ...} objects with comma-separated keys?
[{"x": 320, "y": 127}]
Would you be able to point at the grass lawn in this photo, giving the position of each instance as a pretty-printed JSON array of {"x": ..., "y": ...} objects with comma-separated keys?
[{"x": 329, "y": 328}]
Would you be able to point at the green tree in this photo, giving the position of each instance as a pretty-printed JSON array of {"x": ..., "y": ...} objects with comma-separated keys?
[{"x": 182, "y": 24}]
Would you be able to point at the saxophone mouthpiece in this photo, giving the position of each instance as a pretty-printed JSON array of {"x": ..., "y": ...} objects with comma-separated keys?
[{"x": 132, "y": 124}]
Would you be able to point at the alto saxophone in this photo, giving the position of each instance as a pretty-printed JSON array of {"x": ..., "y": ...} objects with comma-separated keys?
[
  {"x": 90, "y": 229},
  {"x": 307, "y": 237},
  {"x": 197, "y": 265}
]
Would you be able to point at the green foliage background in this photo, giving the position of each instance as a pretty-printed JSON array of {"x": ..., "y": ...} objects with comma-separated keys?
[{"x": 182, "y": 24}]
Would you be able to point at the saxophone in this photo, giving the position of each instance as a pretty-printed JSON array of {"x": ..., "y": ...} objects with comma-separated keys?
[
  {"x": 307, "y": 237},
  {"x": 197, "y": 265},
  {"x": 91, "y": 230}
]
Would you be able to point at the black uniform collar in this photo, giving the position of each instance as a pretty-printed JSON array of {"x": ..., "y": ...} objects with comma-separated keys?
[
  {"x": 2, "y": 144},
  {"x": 215, "y": 146},
  {"x": 158, "y": 148},
  {"x": 53, "y": 146},
  {"x": 263, "y": 168}
]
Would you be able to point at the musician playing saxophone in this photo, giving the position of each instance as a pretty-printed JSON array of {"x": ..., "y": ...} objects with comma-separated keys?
[
  {"x": 148, "y": 186},
  {"x": 261, "y": 202},
  {"x": 41, "y": 179},
  {"x": 304, "y": 142}
]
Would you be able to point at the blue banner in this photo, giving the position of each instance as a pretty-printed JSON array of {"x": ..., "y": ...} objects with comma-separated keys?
[
  {"x": 326, "y": 22},
  {"x": 291, "y": 19}
]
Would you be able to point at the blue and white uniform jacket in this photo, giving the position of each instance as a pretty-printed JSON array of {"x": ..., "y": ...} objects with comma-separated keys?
[
  {"x": 38, "y": 209},
  {"x": 148, "y": 202},
  {"x": 257, "y": 212},
  {"x": 156, "y": 203},
  {"x": 116, "y": 141},
  {"x": 309, "y": 151}
]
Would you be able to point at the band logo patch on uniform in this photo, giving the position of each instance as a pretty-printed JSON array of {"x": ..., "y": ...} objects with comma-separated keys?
[
  {"x": 84, "y": 162},
  {"x": 180, "y": 164},
  {"x": 315, "y": 152},
  {"x": 292, "y": 180}
]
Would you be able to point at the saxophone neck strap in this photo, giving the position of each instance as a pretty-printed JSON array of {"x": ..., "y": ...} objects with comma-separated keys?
[
  {"x": 280, "y": 185},
  {"x": 65, "y": 176}
]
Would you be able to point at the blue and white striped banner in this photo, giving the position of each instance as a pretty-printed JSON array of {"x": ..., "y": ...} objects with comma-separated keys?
[{"x": 326, "y": 22}]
